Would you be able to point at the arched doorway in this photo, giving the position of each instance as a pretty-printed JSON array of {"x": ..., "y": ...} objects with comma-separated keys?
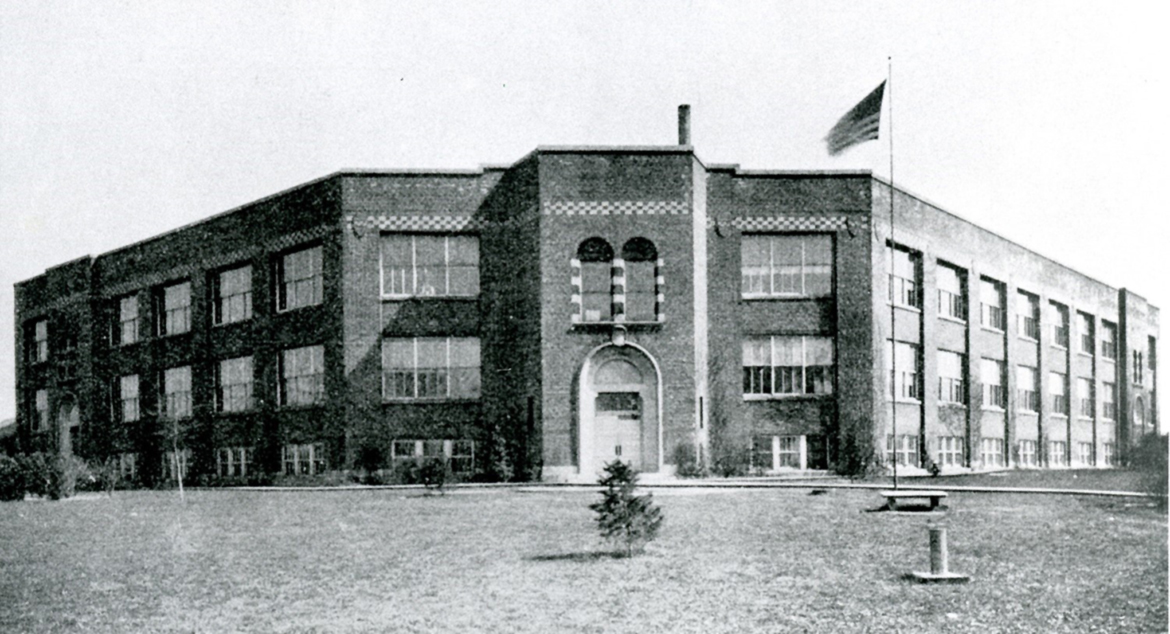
[
  {"x": 68, "y": 421},
  {"x": 619, "y": 410}
]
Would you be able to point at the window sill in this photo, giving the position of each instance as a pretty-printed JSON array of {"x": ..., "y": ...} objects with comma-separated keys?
[
  {"x": 952, "y": 405},
  {"x": 285, "y": 311},
  {"x": 1059, "y": 347},
  {"x": 905, "y": 307},
  {"x": 991, "y": 329},
  {"x": 430, "y": 400},
  {"x": 908, "y": 401},
  {"x": 953, "y": 320},
  {"x": 299, "y": 406},
  {"x": 1028, "y": 339},
  {"x": 786, "y": 397},
  {"x": 404, "y": 298},
  {"x": 993, "y": 408},
  {"x": 1087, "y": 355},
  {"x": 1027, "y": 412},
  {"x": 1058, "y": 415},
  {"x": 224, "y": 324},
  {"x": 753, "y": 297}
]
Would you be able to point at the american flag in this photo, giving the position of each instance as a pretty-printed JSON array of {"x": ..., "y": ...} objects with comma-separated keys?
[{"x": 859, "y": 124}]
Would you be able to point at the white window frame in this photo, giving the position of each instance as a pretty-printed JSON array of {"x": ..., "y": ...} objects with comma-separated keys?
[
  {"x": 806, "y": 269},
  {"x": 41, "y": 340},
  {"x": 952, "y": 390},
  {"x": 1028, "y": 400},
  {"x": 1027, "y": 450},
  {"x": 1058, "y": 390},
  {"x": 1084, "y": 453},
  {"x": 992, "y": 316},
  {"x": 41, "y": 403},
  {"x": 128, "y": 318},
  {"x": 952, "y": 300},
  {"x": 991, "y": 448},
  {"x": 237, "y": 305},
  {"x": 226, "y": 403},
  {"x": 898, "y": 383},
  {"x": 129, "y": 391},
  {"x": 169, "y": 464},
  {"x": 288, "y": 288},
  {"x": 414, "y": 267},
  {"x": 1060, "y": 324},
  {"x": 950, "y": 451},
  {"x": 447, "y": 369},
  {"x": 227, "y": 459},
  {"x": 177, "y": 403},
  {"x": 173, "y": 318},
  {"x": 1109, "y": 341},
  {"x": 1086, "y": 403},
  {"x": 303, "y": 459},
  {"x": 1109, "y": 400},
  {"x": 906, "y": 452},
  {"x": 1058, "y": 453},
  {"x": 302, "y": 389},
  {"x": 775, "y": 344},
  {"x": 903, "y": 291},
  {"x": 1028, "y": 315},
  {"x": 991, "y": 390}
]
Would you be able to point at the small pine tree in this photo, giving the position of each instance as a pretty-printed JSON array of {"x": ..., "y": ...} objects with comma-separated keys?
[{"x": 623, "y": 517}]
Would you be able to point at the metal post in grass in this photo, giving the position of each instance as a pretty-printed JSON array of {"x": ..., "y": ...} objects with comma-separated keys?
[{"x": 939, "y": 566}]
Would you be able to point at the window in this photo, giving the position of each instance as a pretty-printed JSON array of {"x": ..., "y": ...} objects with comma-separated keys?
[
  {"x": 950, "y": 451},
  {"x": 1058, "y": 317},
  {"x": 904, "y": 370},
  {"x": 175, "y": 464},
  {"x": 422, "y": 367},
  {"x": 788, "y": 366},
  {"x": 234, "y": 393},
  {"x": 177, "y": 393},
  {"x": 1085, "y": 329},
  {"x": 1028, "y": 315},
  {"x": 1109, "y": 401},
  {"x": 41, "y": 422},
  {"x": 991, "y": 452},
  {"x": 299, "y": 279},
  {"x": 762, "y": 453},
  {"x": 641, "y": 280},
  {"x": 991, "y": 313},
  {"x": 952, "y": 387},
  {"x": 1085, "y": 397},
  {"x": 302, "y": 376},
  {"x": 1084, "y": 453},
  {"x": 1058, "y": 388},
  {"x": 1027, "y": 453},
  {"x": 126, "y": 330},
  {"x": 40, "y": 347},
  {"x": 1057, "y": 453},
  {"x": 952, "y": 302},
  {"x": 904, "y": 289},
  {"x": 430, "y": 265},
  {"x": 232, "y": 462},
  {"x": 596, "y": 259},
  {"x": 1110, "y": 452},
  {"x": 231, "y": 292},
  {"x": 1108, "y": 341},
  {"x": 128, "y": 396},
  {"x": 127, "y": 466},
  {"x": 786, "y": 265},
  {"x": 173, "y": 309},
  {"x": 1138, "y": 366},
  {"x": 1027, "y": 389},
  {"x": 304, "y": 459},
  {"x": 906, "y": 450},
  {"x": 459, "y": 454},
  {"x": 992, "y": 373}
]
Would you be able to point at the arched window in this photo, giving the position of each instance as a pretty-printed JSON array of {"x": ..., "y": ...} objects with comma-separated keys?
[
  {"x": 617, "y": 372},
  {"x": 595, "y": 258},
  {"x": 641, "y": 275}
]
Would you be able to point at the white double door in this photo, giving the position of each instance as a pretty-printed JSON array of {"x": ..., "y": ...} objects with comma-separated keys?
[{"x": 618, "y": 431}]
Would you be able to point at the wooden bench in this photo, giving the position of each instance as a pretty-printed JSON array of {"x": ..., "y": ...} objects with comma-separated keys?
[{"x": 892, "y": 497}]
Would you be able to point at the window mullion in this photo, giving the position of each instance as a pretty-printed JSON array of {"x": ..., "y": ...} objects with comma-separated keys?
[
  {"x": 414, "y": 370},
  {"x": 803, "y": 270},
  {"x": 446, "y": 265}
]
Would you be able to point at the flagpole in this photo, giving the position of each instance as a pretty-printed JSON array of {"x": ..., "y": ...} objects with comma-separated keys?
[{"x": 890, "y": 280}]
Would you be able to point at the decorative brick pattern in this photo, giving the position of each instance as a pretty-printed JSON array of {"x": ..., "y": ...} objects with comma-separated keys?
[
  {"x": 416, "y": 223},
  {"x": 615, "y": 208},
  {"x": 790, "y": 223}
]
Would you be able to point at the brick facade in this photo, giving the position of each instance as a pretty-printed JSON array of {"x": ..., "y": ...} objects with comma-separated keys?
[{"x": 565, "y": 380}]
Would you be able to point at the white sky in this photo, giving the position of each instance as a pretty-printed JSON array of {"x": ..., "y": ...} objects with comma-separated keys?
[{"x": 1044, "y": 122}]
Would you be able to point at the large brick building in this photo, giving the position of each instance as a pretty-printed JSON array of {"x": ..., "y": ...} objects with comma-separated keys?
[{"x": 582, "y": 304}]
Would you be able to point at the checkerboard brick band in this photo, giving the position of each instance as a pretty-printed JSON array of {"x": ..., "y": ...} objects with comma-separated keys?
[
  {"x": 789, "y": 223},
  {"x": 615, "y": 208}
]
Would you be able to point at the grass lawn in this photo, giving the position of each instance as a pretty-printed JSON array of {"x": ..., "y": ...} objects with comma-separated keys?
[
  {"x": 775, "y": 560},
  {"x": 1083, "y": 479}
]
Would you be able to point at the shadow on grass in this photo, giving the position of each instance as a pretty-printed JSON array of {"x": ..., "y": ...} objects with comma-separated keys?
[
  {"x": 910, "y": 509},
  {"x": 593, "y": 555}
]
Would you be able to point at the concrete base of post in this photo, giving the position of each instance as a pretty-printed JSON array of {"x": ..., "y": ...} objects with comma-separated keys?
[{"x": 939, "y": 569}]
